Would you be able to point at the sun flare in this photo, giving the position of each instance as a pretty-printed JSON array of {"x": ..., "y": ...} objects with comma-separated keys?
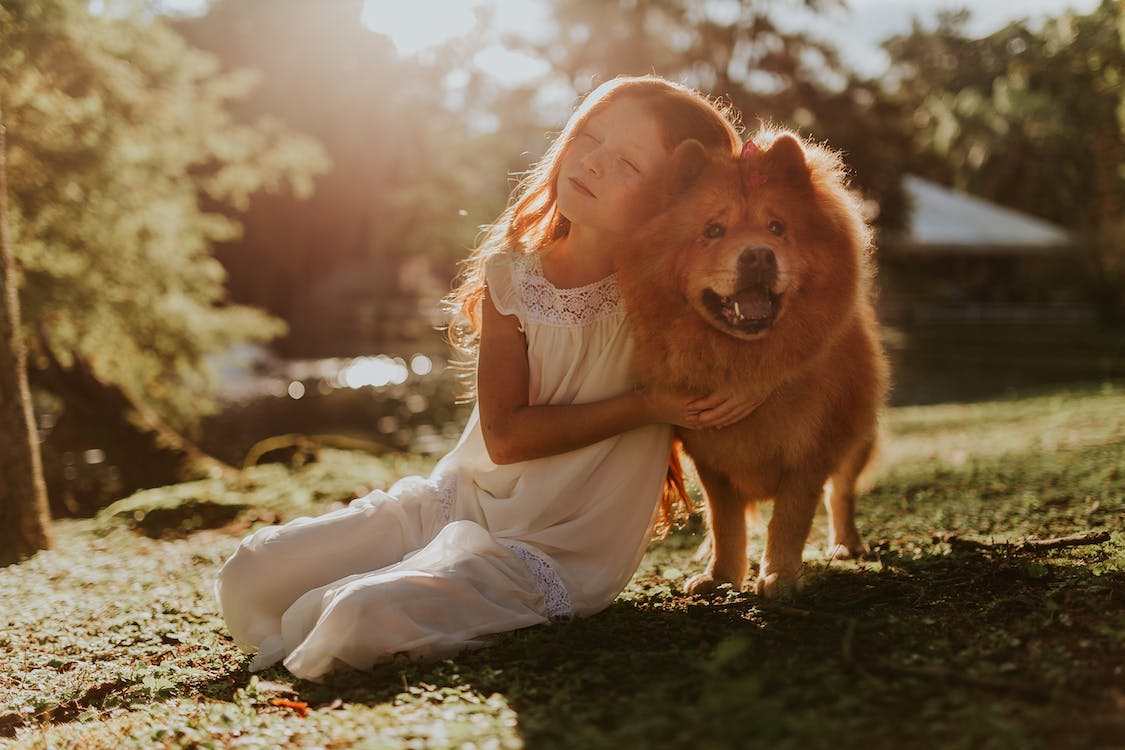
[
  {"x": 424, "y": 24},
  {"x": 421, "y": 24}
]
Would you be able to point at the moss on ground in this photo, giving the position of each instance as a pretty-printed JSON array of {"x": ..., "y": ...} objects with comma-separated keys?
[{"x": 952, "y": 635}]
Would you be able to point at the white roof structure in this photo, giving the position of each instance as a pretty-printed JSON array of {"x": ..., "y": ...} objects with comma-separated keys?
[{"x": 945, "y": 221}]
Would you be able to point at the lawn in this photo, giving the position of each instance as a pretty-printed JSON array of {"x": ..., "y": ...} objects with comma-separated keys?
[{"x": 960, "y": 631}]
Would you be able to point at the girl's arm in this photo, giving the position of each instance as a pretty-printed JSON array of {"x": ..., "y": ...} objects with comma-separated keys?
[{"x": 515, "y": 431}]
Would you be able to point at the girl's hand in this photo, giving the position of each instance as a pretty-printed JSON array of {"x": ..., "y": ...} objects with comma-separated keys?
[
  {"x": 671, "y": 407},
  {"x": 714, "y": 411},
  {"x": 723, "y": 408}
]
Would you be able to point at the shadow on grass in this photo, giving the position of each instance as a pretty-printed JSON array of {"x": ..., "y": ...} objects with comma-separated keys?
[{"x": 1002, "y": 650}]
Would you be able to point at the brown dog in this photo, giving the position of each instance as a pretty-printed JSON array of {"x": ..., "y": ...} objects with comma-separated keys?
[{"x": 757, "y": 274}]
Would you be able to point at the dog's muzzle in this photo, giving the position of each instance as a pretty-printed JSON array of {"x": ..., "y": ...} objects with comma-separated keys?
[{"x": 752, "y": 306}]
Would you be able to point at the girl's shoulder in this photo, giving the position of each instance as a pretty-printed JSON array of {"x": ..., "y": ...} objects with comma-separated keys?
[
  {"x": 505, "y": 274},
  {"x": 512, "y": 263},
  {"x": 516, "y": 282}
]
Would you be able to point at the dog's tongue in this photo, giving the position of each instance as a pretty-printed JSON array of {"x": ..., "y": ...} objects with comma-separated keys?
[{"x": 753, "y": 302}]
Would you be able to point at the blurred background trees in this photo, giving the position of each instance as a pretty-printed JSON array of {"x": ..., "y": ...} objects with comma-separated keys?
[
  {"x": 737, "y": 51},
  {"x": 411, "y": 178},
  {"x": 120, "y": 137},
  {"x": 1030, "y": 118},
  {"x": 118, "y": 134},
  {"x": 274, "y": 170}
]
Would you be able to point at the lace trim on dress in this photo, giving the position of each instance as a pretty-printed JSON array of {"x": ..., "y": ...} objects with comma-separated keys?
[
  {"x": 547, "y": 304},
  {"x": 445, "y": 489},
  {"x": 555, "y": 596}
]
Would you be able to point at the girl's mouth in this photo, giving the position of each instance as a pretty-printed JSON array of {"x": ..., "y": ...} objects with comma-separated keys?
[{"x": 581, "y": 187}]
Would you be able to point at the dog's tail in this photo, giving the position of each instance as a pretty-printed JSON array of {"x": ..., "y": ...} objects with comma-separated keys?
[{"x": 675, "y": 503}]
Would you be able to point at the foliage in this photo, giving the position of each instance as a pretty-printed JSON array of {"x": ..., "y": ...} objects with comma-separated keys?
[
  {"x": 423, "y": 146},
  {"x": 1032, "y": 118},
  {"x": 1103, "y": 262},
  {"x": 931, "y": 643},
  {"x": 737, "y": 51},
  {"x": 413, "y": 178},
  {"x": 24, "y": 516},
  {"x": 116, "y": 129}
]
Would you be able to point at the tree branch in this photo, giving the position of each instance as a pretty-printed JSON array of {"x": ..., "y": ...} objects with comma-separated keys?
[{"x": 1028, "y": 545}]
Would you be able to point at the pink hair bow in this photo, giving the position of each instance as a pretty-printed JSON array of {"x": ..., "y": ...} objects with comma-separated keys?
[{"x": 754, "y": 178}]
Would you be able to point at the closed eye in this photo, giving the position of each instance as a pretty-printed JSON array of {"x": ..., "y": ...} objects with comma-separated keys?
[
  {"x": 630, "y": 165},
  {"x": 714, "y": 230}
]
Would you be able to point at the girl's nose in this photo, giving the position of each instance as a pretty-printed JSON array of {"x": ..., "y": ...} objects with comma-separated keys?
[{"x": 592, "y": 162}]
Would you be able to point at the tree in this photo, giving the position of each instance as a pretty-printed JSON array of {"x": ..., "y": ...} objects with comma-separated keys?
[
  {"x": 737, "y": 51},
  {"x": 121, "y": 144},
  {"x": 1030, "y": 118},
  {"x": 412, "y": 178},
  {"x": 24, "y": 519}
]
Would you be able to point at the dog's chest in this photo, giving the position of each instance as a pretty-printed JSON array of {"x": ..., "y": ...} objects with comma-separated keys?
[{"x": 750, "y": 458}]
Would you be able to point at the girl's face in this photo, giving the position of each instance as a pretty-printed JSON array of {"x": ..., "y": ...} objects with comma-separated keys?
[{"x": 610, "y": 174}]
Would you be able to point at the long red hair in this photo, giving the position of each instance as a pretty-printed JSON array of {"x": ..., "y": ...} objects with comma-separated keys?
[{"x": 532, "y": 221}]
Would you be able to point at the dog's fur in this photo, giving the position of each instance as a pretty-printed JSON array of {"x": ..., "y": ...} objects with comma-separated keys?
[{"x": 756, "y": 274}]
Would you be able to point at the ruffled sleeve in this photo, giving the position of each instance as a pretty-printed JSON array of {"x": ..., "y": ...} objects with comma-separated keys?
[{"x": 502, "y": 276}]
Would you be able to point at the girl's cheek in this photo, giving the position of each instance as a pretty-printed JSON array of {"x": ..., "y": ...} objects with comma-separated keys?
[{"x": 643, "y": 204}]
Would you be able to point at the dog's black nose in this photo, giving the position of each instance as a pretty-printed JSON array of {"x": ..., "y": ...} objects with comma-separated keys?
[{"x": 757, "y": 260}]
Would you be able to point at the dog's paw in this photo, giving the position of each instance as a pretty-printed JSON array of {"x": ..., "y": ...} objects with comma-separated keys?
[
  {"x": 855, "y": 551},
  {"x": 778, "y": 585},
  {"x": 702, "y": 584}
]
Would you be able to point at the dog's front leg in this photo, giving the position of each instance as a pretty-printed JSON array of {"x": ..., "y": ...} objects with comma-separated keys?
[
  {"x": 726, "y": 520},
  {"x": 793, "y": 511}
]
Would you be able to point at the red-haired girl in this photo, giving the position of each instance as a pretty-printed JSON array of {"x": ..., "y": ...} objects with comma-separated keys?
[{"x": 545, "y": 506}]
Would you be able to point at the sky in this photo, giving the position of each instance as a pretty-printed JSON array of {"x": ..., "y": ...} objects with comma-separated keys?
[
  {"x": 856, "y": 32},
  {"x": 414, "y": 25}
]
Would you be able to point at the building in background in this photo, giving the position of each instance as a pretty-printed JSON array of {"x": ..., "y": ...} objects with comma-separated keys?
[{"x": 962, "y": 257}]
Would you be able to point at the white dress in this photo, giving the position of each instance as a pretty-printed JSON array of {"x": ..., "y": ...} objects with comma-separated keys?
[{"x": 433, "y": 566}]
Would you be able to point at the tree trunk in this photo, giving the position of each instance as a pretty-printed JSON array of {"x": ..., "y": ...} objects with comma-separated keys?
[{"x": 25, "y": 524}]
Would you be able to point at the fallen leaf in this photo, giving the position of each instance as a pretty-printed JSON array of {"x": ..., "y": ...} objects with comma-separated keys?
[{"x": 300, "y": 707}]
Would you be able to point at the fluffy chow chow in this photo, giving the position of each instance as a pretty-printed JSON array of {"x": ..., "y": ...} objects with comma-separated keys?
[{"x": 757, "y": 274}]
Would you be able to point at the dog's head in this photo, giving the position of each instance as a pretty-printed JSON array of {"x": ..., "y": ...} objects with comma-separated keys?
[{"x": 754, "y": 241}]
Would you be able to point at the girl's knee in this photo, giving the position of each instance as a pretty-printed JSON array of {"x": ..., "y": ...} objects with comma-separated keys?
[
  {"x": 383, "y": 602},
  {"x": 247, "y": 570},
  {"x": 235, "y": 577}
]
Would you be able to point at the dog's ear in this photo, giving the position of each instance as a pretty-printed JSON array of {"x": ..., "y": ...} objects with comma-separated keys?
[
  {"x": 685, "y": 166},
  {"x": 786, "y": 160}
]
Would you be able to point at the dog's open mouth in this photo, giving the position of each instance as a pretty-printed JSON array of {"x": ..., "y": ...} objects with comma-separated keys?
[{"x": 751, "y": 309}]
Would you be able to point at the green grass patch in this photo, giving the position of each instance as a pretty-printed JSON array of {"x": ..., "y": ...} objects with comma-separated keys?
[{"x": 952, "y": 635}]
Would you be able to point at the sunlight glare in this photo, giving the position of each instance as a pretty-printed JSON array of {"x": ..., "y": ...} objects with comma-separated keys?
[
  {"x": 376, "y": 371},
  {"x": 510, "y": 66},
  {"x": 421, "y": 364},
  {"x": 421, "y": 24}
]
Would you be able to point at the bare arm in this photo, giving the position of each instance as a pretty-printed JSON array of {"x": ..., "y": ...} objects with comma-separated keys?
[{"x": 514, "y": 430}]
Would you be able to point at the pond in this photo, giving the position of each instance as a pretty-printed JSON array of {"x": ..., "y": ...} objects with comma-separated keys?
[{"x": 384, "y": 402}]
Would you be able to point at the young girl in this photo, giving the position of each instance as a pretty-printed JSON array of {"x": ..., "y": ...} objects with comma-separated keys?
[{"x": 545, "y": 506}]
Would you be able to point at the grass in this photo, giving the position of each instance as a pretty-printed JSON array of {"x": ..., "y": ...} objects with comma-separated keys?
[{"x": 951, "y": 636}]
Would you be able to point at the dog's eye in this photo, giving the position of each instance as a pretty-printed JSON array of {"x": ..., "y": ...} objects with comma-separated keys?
[
  {"x": 714, "y": 230},
  {"x": 776, "y": 228}
]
